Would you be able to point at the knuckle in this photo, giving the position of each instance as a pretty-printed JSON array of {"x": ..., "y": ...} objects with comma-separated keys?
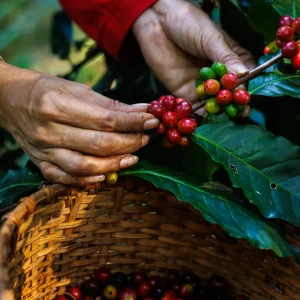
[
  {"x": 48, "y": 174},
  {"x": 79, "y": 166},
  {"x": 45, "y": 105},
  {"x": 39, "y": 136},
  {"x": 107, "y": 122}
]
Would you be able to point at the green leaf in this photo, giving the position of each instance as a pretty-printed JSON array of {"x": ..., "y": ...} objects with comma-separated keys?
[
  {"x": 275, "y": 85},
  {"x": 264, "y": 166},
  {"x": 15, "y": 184},
  {"x": 219, "y": 205},
  {"x": 286, "y": 7},
  {"x": 258, "y": 21}
]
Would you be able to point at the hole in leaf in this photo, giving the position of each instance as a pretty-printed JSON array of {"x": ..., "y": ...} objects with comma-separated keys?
[
  {"x": 273, "y": 186},
  {"x": 233, "y": 167}
]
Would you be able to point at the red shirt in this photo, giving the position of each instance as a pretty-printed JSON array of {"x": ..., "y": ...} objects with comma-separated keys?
[{"x": 108, "y": 22}]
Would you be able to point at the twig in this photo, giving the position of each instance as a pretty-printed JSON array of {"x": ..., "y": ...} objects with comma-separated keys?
[
  {"x": 260, "y": 69},
  {"x": 198, "y": 105}
]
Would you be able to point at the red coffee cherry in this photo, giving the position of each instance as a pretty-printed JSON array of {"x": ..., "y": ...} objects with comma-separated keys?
[
  {"x": 157, "y": 110},
  {"x": 279, "y": 43},
  {"x": 161, "y": 129},
  {"x": 290, "y": 49},
  {"x": 211, "y": 86},
  {"x": 183, "y": 109},
  {"x": 187, "y": 125},
  {"x": 167, "y": 144},
  {"x": 160, "y": 99},
  {"x": 179, "y": 100},
  {"x": 224, "y": 96},
  {"x": 286, "y": 21},
  {"x": 170, "y": 119},
  {"x": 285, "y": 33},
  {"x": 241, "y": 97},
  {"x": 296, "y": 25},
  {"x": 184, "y": 141},
  {"x": 169, "y": 102},
  {"x": 296, "y": 61},
  {"x": 229, "y": 81},
  {"x": 173, "y": 135},
  {"x": 154, "y": 102}
]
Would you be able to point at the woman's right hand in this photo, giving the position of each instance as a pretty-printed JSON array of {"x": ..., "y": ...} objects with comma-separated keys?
[{"x": 71, "y": 133}]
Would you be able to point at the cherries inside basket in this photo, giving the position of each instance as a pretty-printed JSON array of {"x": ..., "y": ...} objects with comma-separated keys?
[{"x": 140, "y": 286}]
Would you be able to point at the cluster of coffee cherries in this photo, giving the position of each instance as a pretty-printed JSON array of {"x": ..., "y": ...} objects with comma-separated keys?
[
  {"x": 176, "y": 121},
  {"x": 219, "y": 88},
  {"x": 139, "y": 286},
  {"x": 287, "y": 39}
]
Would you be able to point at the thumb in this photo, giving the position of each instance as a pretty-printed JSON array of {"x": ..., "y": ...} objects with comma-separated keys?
[{"x": 221, "y": 52}]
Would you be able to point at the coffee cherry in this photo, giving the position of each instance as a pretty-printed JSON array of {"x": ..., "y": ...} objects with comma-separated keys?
[
  {"x": 154, "y": 102},
  {"x": 179, "y": 100},
  {"x": 169, "y": 102},
  {"x": 173, "y": 135},
  {"x": 184, "y": 141},
  {"x": 286, "y": 21},
  {"x": 183, "y": 109},
  {"x": 111, "y": 178},
  {"x": 201, "y": 91},
  {"x": 170, "y": 119},
  {"x": 167, "y": 144},
  {"x": 290, "y": 49},
  {"x": 75, "y": 292},
  {"x": 211, "y": 87},
  {"x": 285, "y": 33},
  {"x": 231, "y": 110},
  {"x": 207, "y": 73},
  {"x": 161, "y": 128},
  {"x": 224, "y": 96},
  {"x": 279, "y": 43},
  {"x": 241, "y": 97},
  {"x": 296, "y": 25},
  {"x": 187, "y": 125},
  {"x": 229, "y": 81},
  {"x": 267, "y": 50},
  {"x": 157, "y": 110},
  {"x": 296, "y": 61},
  {"x": 160, "y": 99},
  {"x": 219, "y": 68},
  {"x": 212, "y": 106}
]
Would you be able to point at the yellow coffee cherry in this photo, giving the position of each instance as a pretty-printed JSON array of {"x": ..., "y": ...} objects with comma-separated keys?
[
  {"x": 200, "y": 90},
  {"x": 111, "y": 178}
]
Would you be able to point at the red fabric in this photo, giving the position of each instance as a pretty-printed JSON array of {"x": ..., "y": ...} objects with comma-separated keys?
[{"x": 108, "y": 22}]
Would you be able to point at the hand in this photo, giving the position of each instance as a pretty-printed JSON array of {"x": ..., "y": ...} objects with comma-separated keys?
[
  {"x": 177, "y": 39},
  {"x": 71, "y": 133}
]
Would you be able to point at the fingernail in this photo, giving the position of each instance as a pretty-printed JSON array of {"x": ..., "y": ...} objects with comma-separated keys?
[
  {"x": 145, "y": 140},
  {"x": 240, "y": 71},
  {"x": 141, "y": 104},
  {"x": 128, "y": 161},
  {"x": 94, "y": 179},
  {"x": 151, "y": 124}
]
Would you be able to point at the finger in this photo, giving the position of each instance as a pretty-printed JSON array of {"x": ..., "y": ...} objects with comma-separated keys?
[
  {"x": 53, "y": 173},
  {"x": 92, "y": 142},
  {"x": 77, "y": 164},
  {"x": 73, "y": 111},
  {"x": 245, "y": 56}
]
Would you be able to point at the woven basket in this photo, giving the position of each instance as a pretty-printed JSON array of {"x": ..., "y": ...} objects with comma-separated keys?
[{"x": 59, "y": 236}]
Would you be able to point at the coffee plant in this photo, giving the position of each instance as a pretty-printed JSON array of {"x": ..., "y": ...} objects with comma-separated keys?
[{"x": 240, "y": 169}]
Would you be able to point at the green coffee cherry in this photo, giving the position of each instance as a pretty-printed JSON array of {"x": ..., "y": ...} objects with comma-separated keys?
[
  {"x": 212, "y": 106},
  {"x": 231, "y": 110},
  {"x": 207, "y": 73},
  {"x": 219, "y": 68}
]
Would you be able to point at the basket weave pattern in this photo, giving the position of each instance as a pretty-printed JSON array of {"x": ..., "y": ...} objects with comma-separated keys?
[{"x": 59, "y": 236}]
